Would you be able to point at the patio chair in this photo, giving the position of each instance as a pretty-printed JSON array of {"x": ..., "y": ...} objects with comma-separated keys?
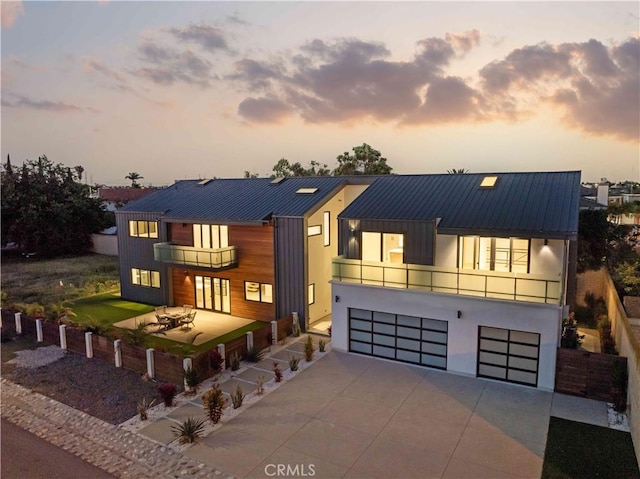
[
  {"x": 188, "y": 320},
  {"x": 164, "y": 322},
  {"x": 186, "y": 309}
]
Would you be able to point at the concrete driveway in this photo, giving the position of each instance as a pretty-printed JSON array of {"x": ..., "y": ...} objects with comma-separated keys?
[{"x": 357, "y": 417}]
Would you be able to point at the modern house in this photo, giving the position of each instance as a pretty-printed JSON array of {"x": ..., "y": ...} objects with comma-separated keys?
[{"x": 469, "y": 273}]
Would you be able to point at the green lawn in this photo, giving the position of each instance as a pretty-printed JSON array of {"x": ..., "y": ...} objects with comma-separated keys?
[
  {"x": 576, "y": 450},
  {"x": 106, "y": 309}
]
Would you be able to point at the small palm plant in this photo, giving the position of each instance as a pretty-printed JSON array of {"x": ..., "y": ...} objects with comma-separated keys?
[
  {"x": 237, "y": 397},
  {"x": 214, "y": 403},
  {"x": 293, "y": 363},
  {"x": 189, "y": 430},
  {"x": 322, "y": 344},
  {"x": 253, "y": 355},
  {"x": 143, "y": 408}
]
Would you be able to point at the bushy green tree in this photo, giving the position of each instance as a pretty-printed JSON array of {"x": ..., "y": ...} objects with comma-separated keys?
[
  {"x": 46, "y": 210},
  {"x": 364, "y": 161},
  {"x": 283, "y": 169}
]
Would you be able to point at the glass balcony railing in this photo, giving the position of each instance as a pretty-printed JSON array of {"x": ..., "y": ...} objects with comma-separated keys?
[
  {"x": 200, "y": 257},
  {"x": 487, "y": 284}
]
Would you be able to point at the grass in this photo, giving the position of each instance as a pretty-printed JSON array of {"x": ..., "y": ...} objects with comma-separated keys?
[
  {"x": 48, "y": 281},
  {"x": 106, "y": 309},
  {"x": 576, "y": 450}
]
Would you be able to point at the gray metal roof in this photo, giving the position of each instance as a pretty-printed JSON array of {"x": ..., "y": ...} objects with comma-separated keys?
[
  {"x": 236, "y": 200},
  {"x": 529, "y": 204}
]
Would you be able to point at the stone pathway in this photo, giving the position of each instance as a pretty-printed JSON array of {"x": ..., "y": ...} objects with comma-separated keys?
[{"x": 119, "y": 452}]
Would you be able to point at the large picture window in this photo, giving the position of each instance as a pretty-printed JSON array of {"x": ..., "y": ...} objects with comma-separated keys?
[
  {"x": 143, "y": 229},
  {"x": 145, "y": 277},
  {"x": 383, "y": 247},
  {"x": 261, "y": 292},
  {"x": 494, "y": 254},
  {"x": 210, "y": 236}
]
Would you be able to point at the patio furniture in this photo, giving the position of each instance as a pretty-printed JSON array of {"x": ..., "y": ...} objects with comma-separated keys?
[
  {"x": 186, "y": 309},
  {"x": 165, "y": 322},
  {"x": 188, "y": 320}
]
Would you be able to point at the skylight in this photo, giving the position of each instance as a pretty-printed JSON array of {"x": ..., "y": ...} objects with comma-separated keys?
[
  {"x": 204, "y": 182},
  {"x": 488, "y": 182},
  {"x": 307, "y": 191}
]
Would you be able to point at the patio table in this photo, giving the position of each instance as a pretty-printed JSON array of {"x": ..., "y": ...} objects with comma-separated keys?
[{"x": 175, "y": 316}]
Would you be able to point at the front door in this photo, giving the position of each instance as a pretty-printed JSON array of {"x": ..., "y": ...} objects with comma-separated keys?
[{"x": 213, "y": 293}]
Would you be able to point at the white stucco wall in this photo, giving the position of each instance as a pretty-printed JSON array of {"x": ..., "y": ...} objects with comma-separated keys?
[
  {"x": 546, "y": 259},
  {"x": 105, "y": 244},
  {"x": 462, "y": 348},
  {"x": 446, "y": 251}
]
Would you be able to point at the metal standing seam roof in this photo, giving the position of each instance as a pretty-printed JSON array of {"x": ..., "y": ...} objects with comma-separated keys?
[
  {"x": 236, "y": 200},
  {"x": 544, "y": 204}
]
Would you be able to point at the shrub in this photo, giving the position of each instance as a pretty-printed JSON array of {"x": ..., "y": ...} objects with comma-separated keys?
[
  {"x": 139, "y": 335},
  {"x": 260, "y": 384},
  {"x": 235, "y": 361},
  {"x": 168, "y": 392},
  {"x": 216, "y": 361},
  {"x": 308, "y": 349},
  {"x": 143, "y": 408},
  {"x": 584, "y": 315},
  {"x": 237, "y": 397},
  {"x": 214, "y": 403},
  {"x": 192, "y": 379},
  {"x": 322, "y": 344},
  {"x": 253, "y": 355},
  {"x": 277, "y": 372},
  {"x": 293, "y": 363},
  {"x": 189, "y": 430}
]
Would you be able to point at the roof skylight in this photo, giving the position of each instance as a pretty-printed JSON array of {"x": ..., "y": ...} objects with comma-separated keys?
[
  {"x": 488, "y": 182},
  {"x": 307, "y": 191}
]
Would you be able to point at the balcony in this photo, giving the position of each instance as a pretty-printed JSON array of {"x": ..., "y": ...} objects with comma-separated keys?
[
  {"x": 486, "y": 284},
  {"x": 199, "y": 257}
]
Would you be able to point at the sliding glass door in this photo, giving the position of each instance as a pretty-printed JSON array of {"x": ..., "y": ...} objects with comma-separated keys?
[{"x": 213, "y": 293}]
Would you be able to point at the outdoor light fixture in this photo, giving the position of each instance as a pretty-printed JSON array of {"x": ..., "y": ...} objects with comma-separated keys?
[
  {"x": 546, "y": 242},
  {"x": 459, "y": 314},
  {"x": 337, "y": 299}
]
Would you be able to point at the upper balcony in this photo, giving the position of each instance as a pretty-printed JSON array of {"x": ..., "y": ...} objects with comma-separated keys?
[
  {"x": 199, "y": 257},
  {"x": 487, "y": 284}
]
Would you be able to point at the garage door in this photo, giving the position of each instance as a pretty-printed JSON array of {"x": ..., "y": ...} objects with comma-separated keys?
[
  {"x": 403, "y": 338},
  {"x": 508, "y": 355}
]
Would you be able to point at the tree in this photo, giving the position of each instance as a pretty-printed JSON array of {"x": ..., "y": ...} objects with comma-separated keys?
[
  {"x": 248, "y": 174},
  {"x": 459, "y": 171},
  {"x": 364, "y": 161},
  {"x": 284, "y": 169},
  {"x": 134, "y": 177},
  {"x": 46, "y": 210}
]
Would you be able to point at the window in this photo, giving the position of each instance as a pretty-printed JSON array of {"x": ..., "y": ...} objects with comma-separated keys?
[
  {"x": 383, "y": 247},
  {"x": 210, "y": 236},
  {"x": 327, "y": 228},
  {"x": 488, "y": 182},
  {"x": 261, "y": 292},
  {"x": 306, "y": 191},
  {"x": 312, "y": 293},
  {"x": 494, "y": 254},
  {"x": 314, "y": 230},
  {"x": 143, "y": 229},
  {"x": 145, "y": 277}
]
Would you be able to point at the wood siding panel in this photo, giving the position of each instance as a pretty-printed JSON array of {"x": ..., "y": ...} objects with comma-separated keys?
[
  {"x": 255, "y": 263},
  {"x": 180, "y": 234}
]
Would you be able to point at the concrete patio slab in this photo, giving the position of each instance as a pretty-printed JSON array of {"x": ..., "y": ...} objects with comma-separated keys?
[
  {"x": 270, "y": 423},
  {"x": 285, "y": 354},
  {"x": 252, "y": 374},
  {"x": 518, "y": 424},
  {"x": 159, "y": 430},
  {"x": 502, "y": 395},
  {"x": 366, "y": 417},
  {"x": 186, "y": 410},
  {"x": 457, "y": 469},
  {"x": 579, "y": 409}
]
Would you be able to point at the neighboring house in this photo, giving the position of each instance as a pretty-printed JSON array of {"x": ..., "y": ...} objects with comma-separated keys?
[
  {"x": 470, "y": 273},
  {"x": 116, "y": 197}
]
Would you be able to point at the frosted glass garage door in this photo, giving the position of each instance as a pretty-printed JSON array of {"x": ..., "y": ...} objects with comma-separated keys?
[
  {"x": 408, "y": 339},
  {"x": 508, "y": 355}
]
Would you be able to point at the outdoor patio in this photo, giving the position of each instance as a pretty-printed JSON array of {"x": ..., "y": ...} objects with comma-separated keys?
[{"x": 207, "y": 325}]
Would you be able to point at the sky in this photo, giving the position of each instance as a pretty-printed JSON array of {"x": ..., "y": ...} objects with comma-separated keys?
[{"x": 175, "y": 90}]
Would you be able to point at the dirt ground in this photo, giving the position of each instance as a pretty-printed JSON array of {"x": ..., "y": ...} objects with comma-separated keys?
[{"x": 89, "y": 385}]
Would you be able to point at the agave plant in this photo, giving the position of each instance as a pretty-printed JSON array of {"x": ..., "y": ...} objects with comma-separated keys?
[
  {"x": 189, "y": 430},
  {"x": 214, "y": 403}
]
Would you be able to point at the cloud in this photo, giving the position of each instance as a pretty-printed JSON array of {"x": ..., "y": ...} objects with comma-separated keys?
[
  {"x": 595, "y": 87},
  {"x": 10, "y": 11},
  {"x": 207, "y": 36},
  {"x": 264, "y": 110},
  {"x": 92, "y": 65},
  {"x": 20, "y": 101}
]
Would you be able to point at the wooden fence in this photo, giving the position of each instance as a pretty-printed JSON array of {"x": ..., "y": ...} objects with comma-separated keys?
[{"x": 585, "y": 374}]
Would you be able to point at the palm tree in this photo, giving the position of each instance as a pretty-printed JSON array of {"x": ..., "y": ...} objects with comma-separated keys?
[
  {"x": 458, "y": 171},
  {"x": 134, "y": 177}
]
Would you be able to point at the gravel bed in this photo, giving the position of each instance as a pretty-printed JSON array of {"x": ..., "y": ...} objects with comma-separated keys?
[{"x": 90, "y": 385}]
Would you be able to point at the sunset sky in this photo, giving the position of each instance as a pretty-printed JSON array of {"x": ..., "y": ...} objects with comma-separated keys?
[{"x": 176, "y": 90}]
